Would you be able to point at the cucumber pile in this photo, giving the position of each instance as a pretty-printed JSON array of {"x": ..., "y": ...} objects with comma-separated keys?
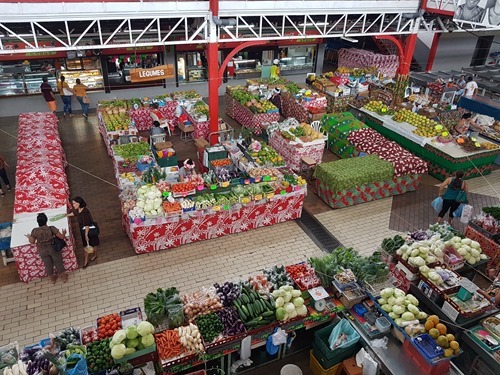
[{"x": 252, "y": 309}]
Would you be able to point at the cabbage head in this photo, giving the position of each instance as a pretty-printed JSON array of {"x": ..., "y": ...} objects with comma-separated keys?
[
  {"x": 408, "y": 316},
  {"x": 387, "y": 292},
  {"x": 398, "y": 310},
  {"x": 119, "y": 336},
  {"x": 118, "y": 351},
  {"x": 148, "y": 340},
  {"x": 131, "y": 332},
  {"x": 145, "y": 328}
]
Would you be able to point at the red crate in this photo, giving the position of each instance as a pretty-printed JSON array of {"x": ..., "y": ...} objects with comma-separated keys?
[{"x": 425, "y": 368}]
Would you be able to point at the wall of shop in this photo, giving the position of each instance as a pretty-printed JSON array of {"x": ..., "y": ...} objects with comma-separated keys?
[
  {"x": 455, "y": 51},
  {"x": 13, "y": 106}
]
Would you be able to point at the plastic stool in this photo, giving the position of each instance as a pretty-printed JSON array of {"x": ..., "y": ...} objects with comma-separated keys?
[{"x": 349, "y": 368}]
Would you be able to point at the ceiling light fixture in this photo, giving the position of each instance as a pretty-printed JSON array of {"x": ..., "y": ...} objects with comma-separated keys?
[{"x": 314, "y": 24}]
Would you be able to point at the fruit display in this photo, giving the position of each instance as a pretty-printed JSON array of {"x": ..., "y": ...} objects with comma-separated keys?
[
  {"x": 304, "y": 132},
  {"x": 303, "y": 275},
  {"x": 400, "y": 307},
  {"x": 116, "y": 122},
  {"x": 99, "y": 356},
  {"x": 425, "y": 126},
  {"x": 267, "y": 156},
  {"x": 183, "y": 188},
  {"x": 201, "y": 108},
  {"x": 489, "y": 146},
  {"x": 289, "y": 303},
  {"x": 188, "y": 94},
  {"x": 438, "y": 331},
  {"x": 108, "y": 325},
  {"x": 261, "y": 172},
  {"x": 132, "y": 151},
  {"x": 379, "y": 107},
  {"x": 114, "y": 106},
  {"x": 221, "y": 162},
  {"x": 252, "y": 309}
]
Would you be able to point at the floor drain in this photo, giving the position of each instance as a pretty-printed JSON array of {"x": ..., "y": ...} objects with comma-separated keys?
[{"x": 317, "y": 232}]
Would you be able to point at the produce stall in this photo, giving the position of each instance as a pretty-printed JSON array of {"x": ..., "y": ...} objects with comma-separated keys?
[
  {"x": 239, "y": 193},
  {"x": 347, "y": 182},
  {"x": 293, "y": 142},
  {"x": 249, "y": 109},
  {"x": 305, "y": 106},
  {"x": 41, "y": 186},
  {"x": 141, "y": 117},
  {"x": 485, "y": 229},
  {"x": 363, "y": 59},
  {"x": 207, "y": 327},
  {"x": 444, "y": 158}
]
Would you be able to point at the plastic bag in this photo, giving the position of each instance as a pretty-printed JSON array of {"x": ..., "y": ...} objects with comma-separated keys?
[
  {"x": 380, "y": 343},
  {"x": 175, "y": 314},
  {"x": 437, "y": 204},
  {"x": 279, "y": 337},
  {"x": 80, "y": 367},
  {"x": 466, "y": 214},
  {"x": 343, "y": 336},
  {"x": 458, "y": 211}
]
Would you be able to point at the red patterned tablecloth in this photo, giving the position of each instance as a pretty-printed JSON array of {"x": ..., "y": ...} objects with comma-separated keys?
[
  {"x": 292, "y": 154},
  {"x": 41, "y": 184},
  {"x": 180, "y": 231},
  {"x": 290, "y": 107},
  {"x": 229, "y": 102},
  {"x": 143, "y": 120},
  {"x": 252, "y": 120}
]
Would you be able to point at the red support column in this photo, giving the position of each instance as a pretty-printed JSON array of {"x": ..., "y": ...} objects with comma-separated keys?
[
  {"x": 432, "y": 52},
  {"x": 213, "y": 90},
  {"x": 409, "y": 49}
]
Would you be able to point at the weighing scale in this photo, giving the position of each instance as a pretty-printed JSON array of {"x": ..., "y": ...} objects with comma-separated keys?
[{"x": 319, "y": 294}]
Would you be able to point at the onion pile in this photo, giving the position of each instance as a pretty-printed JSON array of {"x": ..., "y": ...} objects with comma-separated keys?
[{"x": 200, "y": 303}]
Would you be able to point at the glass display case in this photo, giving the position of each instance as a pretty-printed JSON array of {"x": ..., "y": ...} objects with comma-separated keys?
[
  {"x": 34, "y": 80},
  {"x": 196, "y": 74},
  {"x": 298, "y": 60},
  {"x": 90, "y": 78},
  {"x": 250, "y": 68},
  {"x": 11, "y": 84}
]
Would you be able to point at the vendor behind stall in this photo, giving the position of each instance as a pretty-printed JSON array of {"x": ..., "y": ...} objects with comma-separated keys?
[
  {"x": 187, "y": 172},
  {"x": 465, "y": 125},
  {"x": 275, "y": 71}
]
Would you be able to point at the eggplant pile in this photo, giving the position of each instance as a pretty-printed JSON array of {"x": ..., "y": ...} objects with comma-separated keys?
[
  {"x": 38, "y": 363},
  {"x": 231, "y": 323},
  {"x": 227, "y": 292}
]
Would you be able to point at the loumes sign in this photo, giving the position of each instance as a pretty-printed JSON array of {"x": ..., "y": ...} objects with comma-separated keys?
[{"x": 152, "y": 74}]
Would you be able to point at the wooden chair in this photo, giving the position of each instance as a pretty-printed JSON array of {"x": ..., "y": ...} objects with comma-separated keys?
[
  {"x": 307, "y": 167},
  {"x": 316, "y": 125}
]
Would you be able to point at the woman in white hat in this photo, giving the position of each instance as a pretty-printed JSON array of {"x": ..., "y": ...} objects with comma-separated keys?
[{"x": 275, "y": 69}]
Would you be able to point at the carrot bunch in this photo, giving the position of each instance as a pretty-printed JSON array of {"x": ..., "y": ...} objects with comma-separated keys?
[{"x": 168, "y": 344}]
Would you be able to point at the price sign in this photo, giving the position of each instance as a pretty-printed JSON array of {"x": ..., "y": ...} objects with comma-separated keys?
[{"x": 450, "y": 311}]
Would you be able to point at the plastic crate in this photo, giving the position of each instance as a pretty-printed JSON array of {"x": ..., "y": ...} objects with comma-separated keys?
[
  {"x": 326, "y": 357},
  {"x": 317, "y": 369},
  {"x": 425, "y": 368},
  {"x": 166, "y": 162},
  {"x": 480, "y": 368},
  {"x": 426, "y": 345}
]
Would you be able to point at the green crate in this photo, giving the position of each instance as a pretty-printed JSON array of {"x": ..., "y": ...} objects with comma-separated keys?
[
  {"x": 136, "y": 354},
  {"x": 167, "y": 162},
  {"x": 321, "y": 348}
]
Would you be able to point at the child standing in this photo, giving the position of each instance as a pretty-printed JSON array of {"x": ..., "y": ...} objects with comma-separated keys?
[{"x": 3, "y": 175}]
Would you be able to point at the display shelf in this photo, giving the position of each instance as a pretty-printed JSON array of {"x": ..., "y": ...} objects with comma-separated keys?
[
  {"x": 436, "y": 309},
  {"x": 91, "y": 78},
  {"x": 11, "y": 84},
  {"x": 34, "y": 80}
]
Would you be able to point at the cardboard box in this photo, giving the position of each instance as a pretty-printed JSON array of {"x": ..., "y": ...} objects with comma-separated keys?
[
  {"x": 201, "y": 143},
  {"x": 162, "y": 145},
  {"x": 315, "y": 116}
]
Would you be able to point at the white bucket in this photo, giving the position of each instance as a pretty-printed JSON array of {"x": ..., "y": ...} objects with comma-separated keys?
[{"x": 290, "y": 370}]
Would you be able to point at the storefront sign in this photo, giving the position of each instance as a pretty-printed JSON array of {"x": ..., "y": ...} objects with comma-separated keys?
[{"x": 152, "y": 74}]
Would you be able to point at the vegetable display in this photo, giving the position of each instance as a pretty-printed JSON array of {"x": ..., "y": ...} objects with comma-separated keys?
[
  {"x": 289, "y": 303},
  {"x": 470, "y": 250},
  {"x": 157, "y": 305},
  {"x": 190, "y": 338},
  {"x": 67, "y": 336},
  {"x": 227, "y": 292},
  {"x": 441, "y": 277},
  {"x": 260, "y": 284},
  {"x": 168, "y": 344},
  {"x": 125, "y": 342},
  {"x": 99, "y": 356},
  {"x": 303, "y": 276},
  {"x": 252, "y": 309},
  {"x": 108, "y": 325},
  {"x": 401, "y": 307},
  {"x": 278, "y": 277},
  {"x": 200, "y": 303},
  {"x": 149, "y": 198},
  {"x": 131, "y": 151},
  {"x": 390, "y": 245},
  {"x": 438, "y": 331},
  {"x": 210, "y": 326},
  {"x": 37, "y": 362},
  {"x": 231, "y": 322}
]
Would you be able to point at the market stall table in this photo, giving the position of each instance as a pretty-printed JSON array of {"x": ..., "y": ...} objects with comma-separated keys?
[
  {"x": 301, "y": 110},
  {"x": 41, "y": 186},
  {"x": 143, "y": 120},
  {"x": 172, "y": 232},
  {"x": 444, "y": 159},
  {"x": 253, "y": 121},
  {"x": 293, "y": 151},
  {"x": 489, "y": 246}
]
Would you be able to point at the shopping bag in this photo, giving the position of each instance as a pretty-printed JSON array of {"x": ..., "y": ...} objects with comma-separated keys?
[
  {"x": 80, "y": 367},
  {"x": 437, "y": 204},
  {"x": 86, "y": 99},
  {"x": 458, "y": 211},
  {"x": 466, "y": 214},
  {"x": 343, "y": 336},
  {"x": 462, "y": 197}
]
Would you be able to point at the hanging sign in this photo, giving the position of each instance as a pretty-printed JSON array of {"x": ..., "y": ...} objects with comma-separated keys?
[{"x": 152, "y": 74}]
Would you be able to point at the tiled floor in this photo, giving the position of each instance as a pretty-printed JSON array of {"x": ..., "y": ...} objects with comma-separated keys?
[{"x": 30, "y": 311}]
